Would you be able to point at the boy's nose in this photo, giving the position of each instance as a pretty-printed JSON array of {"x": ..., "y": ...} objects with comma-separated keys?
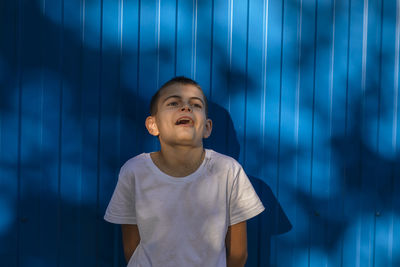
[{"x": 186, "y": 107}]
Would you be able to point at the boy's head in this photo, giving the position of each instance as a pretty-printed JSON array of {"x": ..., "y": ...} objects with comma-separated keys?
[
  {"x": 174, "y": 81},
  {"x": 179, "y": 114}
]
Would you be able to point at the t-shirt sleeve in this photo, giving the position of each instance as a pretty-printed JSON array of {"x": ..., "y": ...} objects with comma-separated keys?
[
  {"x": 121, "y": 209},
  {"x": 244, "y": 202}
]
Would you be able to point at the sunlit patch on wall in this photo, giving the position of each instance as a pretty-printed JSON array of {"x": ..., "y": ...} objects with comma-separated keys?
[
  {"x": 387, "y": 140},
  {"x": 6, "y": 215},
  {"x": 387, "y": 248}
]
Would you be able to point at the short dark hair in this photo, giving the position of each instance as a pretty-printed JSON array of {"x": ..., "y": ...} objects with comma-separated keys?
[{"x": 176, "y": 80}]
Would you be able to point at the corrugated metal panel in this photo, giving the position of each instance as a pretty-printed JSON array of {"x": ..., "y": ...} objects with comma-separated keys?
[{"x": 303, "y": 93}]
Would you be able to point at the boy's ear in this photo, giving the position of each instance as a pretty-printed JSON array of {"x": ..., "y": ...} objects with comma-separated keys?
[
  {"x": 208, "y": 128},
  {"x": 151, "y": 126}
]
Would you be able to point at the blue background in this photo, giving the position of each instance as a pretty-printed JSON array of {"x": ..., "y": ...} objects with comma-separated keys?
[{"x": 303, "y": 93}]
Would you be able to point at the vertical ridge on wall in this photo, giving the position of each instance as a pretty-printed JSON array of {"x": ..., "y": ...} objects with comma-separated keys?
[
  {"x": 370, "y": 80},
  {"x": 59, "y": 141},
  {"x": 264, "y": 67},
  {"x": 203, "y": 57},
  {"x": 19, "y": 112},
  {"x": 344, "y": 194},
  {"x": 324, "y": 182},
  {"x": 209, "y": 95},
  {"x": 312, "y": 170},
  {"x": 166, "y": 50},
  {"x": 396, "y": 74},
  {"x": 246, "y": 66},
  {"x": 284, "y": 110},
  {"x": 158, "y": 15},
  {"x": 138, "y": 80},
  {"x": 271, "y": 104},
  {"x": 89, "y": 118},
  {"x": 394, "y": 244},
  {"x": 70, "y": 172},
  {"x": 30, "y": 131},
  {"x": 252, "y": 148},
  {"x": 115, "y": 235},
  {"x": 176, "y": 38},
  {"x": 379, "y": 85},
  {"x": 352, "y": 245},
  {"x": 185, "y": 38},
  {"x": 129, "y": 79},
  {"x": 335, "y": 258},
  {"x": 298, "y": 64},
  {"x": 237, "y": 77},
  {"x": 148, "y": 61},
  {"x": 219, "y": 68},
  {"x": 194, "y": 40},
  {"x": 99, "y": 133},
  {"x": 387, "y": 128}
]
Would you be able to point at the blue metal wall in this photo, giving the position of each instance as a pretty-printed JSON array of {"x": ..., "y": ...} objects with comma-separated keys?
[{"x": 303, "y": 93}]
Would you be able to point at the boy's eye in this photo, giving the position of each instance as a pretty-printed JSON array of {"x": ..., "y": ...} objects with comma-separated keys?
[
  {"x": 197, "y": 105},
  {"x": 173, "y": 104}
]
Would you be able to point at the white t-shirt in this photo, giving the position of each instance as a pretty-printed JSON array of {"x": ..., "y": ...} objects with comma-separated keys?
[{"x": 182, "y": 221}]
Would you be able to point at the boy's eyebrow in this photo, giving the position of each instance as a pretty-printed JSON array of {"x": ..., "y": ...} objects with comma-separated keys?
[{"x": 177, "y": 96}]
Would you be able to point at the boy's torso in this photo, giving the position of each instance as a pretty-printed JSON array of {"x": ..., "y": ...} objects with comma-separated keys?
[
  {"x": 189, "y": 213},
  {"x": 182, "y": 221}
]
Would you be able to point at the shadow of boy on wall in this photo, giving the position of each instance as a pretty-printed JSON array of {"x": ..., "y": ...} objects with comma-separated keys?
[{"x": 273, "y": 221}]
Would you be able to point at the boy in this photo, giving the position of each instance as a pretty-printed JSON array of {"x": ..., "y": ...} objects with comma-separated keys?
[{"x": 182, "y": 206}]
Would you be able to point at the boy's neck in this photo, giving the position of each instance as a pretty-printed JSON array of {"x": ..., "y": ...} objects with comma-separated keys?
[{"x": 178, "y": 161}]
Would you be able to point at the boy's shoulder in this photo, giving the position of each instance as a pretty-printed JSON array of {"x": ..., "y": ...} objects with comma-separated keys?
[
  {"x": 135, "y": 162},
  {"x": 223, "y": 160},
  {"x": 219, "y": 156}
]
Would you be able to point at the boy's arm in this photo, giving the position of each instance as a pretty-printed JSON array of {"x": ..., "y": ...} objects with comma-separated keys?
[
  {"x": 130, "y": 239},
  {"x": 236, "y": 245}
]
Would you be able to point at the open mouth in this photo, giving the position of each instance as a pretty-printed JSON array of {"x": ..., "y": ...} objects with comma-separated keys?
[{"x": 184, "y": 121}]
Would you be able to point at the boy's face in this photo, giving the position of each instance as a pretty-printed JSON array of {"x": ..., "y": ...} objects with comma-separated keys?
[{"x": 181, "y": 119}]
